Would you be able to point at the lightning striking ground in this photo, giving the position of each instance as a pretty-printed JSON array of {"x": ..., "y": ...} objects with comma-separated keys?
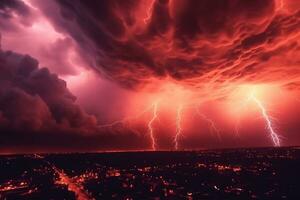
[
  {"x": 213, "y": 128},
  {"x": 154, "y": 106},
  {"x": 273, "y": 134},
  {"x": 178, "y": 126},
  {"x": 150, "y": 125}
]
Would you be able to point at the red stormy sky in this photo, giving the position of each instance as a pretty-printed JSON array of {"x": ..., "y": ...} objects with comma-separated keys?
[{"x": 148, "y": 75}]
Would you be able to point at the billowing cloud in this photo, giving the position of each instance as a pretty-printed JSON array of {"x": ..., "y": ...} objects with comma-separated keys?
[
  {"x": 26, "y": 30},
  {"x": 11, "y": 8},
  {"x": 121, "y": 57},
  {"x": 37, "y": 100}
]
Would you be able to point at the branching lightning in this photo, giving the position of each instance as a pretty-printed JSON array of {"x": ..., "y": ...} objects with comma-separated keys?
[
  {"x": 113, "y": 123},
  {"x": 213, "y": 127},
  {"x": 125, "y": 120},
  {"x": 153, "y": 109},
  {"x": 154, "y": 106},
  {"x": 150, "y": 125},
  {"x": 273, "y": 134},
  {"x": 178, "y": 126}
]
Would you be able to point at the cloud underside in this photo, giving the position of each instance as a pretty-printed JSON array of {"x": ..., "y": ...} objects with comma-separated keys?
[
  {"x": 197, "y": 43},
  {"x": 202, "y": 44}
]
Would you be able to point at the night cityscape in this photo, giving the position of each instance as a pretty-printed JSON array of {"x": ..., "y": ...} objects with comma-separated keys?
[{"x": 263, "y": 173}]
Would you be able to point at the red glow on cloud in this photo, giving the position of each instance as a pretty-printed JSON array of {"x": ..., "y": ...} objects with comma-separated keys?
[{"x": 168, "y": 71}]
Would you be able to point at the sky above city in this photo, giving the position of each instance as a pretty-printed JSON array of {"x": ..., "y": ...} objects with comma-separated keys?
[{"x": 120, "y": 75}]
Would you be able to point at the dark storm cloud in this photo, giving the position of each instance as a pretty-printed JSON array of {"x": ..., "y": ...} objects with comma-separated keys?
[
  {"x": 10, "y": 8},
  {"x": 34, "y": 99},
  {"x": 7, "y": 6},
  {"x": 207, "y": 41},
  {"x": 196, "y": 42},
  {"x": 26, "y": 30},
  {"x": 38, "y": 113}
]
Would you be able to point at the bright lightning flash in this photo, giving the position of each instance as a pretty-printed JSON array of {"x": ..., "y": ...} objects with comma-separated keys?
[
  {"x": 213, "y": 127},
  {"x": 150, "y": 125},
  {"x": 178, "y": 126},
  {"x": 273, "y": 134}
]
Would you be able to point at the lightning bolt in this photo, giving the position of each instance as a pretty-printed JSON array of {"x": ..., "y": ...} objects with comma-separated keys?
[
  {"x": 150, "y": 125},
  {"x": 154, "y": 106},
  {"x": 273, "y": 134},
  {"x": 125, "y": 120},
  {"x": 213, "y": 127},
  {"x": 178, "y": 126},
  {"x": 113, "y": 123}
]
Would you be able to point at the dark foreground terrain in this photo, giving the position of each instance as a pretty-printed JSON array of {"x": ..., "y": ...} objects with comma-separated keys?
[{"x": 221, "y": 174}]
